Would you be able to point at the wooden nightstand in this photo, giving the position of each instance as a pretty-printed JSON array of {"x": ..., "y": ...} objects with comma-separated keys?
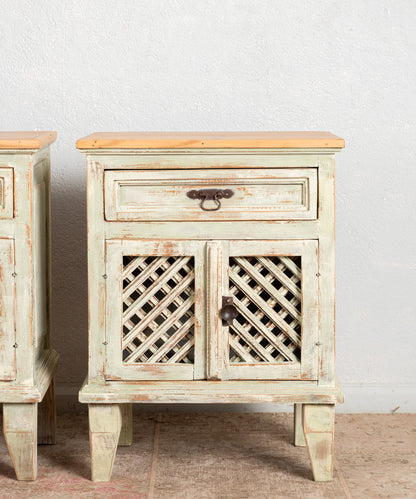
[
  {"x": 27, "y": 362},
  {"x": 211, "y": 278}
]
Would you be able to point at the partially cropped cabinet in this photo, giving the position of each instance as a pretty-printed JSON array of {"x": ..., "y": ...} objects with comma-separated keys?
[
  {"x": 211, "y": 279},
  {"x": 27, "y": 362}
]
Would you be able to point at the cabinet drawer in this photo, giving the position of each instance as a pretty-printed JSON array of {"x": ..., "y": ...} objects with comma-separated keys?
[
  {"x": 255, "y": 194},
  {"x": 6, "y": 192}
]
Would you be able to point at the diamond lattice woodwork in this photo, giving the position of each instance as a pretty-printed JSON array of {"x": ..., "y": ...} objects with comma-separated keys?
[
  {"x": 158, "y": 309},
  {"x": 268, "y": 296}
]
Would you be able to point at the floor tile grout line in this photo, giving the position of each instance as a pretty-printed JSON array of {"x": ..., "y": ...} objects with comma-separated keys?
[
  {"x": 153, "y": 468},
  {"x": 342, "y": 480}
]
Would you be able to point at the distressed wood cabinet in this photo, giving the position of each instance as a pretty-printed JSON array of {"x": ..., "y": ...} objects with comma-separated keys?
[
  {"x": 211, "y": 279},
  {"x": 27, "y": 362}
]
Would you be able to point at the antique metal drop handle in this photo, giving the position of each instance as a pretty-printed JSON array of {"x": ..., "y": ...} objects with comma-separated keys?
[
  {"x": 210, "y": 195},
  {"x": 228, "y": 311}
]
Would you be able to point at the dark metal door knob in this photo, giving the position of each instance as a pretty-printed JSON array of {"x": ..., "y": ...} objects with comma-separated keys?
[{"x": 228, "y": 312}]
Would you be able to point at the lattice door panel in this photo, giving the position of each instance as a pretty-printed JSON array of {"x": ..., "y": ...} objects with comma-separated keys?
[
  {"x": 154, "y": 300},
  {"x": 274, "y": 288},
  {"x": 267, "y": 292},
  {"x": 158, "y": 309}
]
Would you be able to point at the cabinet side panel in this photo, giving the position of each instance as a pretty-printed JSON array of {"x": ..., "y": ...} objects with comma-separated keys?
[
  {"x": 41, "y": 258},
  {"x": 327, "y": 270},
  {"x": 23, "y": 230},
  {"x": 96, "y": 272}
]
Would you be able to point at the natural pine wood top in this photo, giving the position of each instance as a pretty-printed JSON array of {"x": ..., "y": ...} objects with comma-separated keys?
[
  {"x": 208, "y": 140},
  {"x": 26, "y": 140}
]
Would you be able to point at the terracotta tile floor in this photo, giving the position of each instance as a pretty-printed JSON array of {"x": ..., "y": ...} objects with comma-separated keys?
[{"x": 226, "y": 456}]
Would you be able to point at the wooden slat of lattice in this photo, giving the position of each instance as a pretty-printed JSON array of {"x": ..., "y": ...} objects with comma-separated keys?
[
  {"x": 271, "y": 290},
  {"x": 251, "y": 341},
  {"x": 281, "y": 276},
  {"x": 165, "y": 313},
  {"x": 173, "y": 340},
  {"x": 136, "y": 281},
  {"x": 183, "y": 351},
  {"x": 155, "y": 287},
  {"x": 277, "y": 269},
  {"x": 158, "y": 309},
  {"x": 265, "y": 331},
  {"x": 179, "y": 312},
  {"x": 154, "y": 301},
  {"x": 278, "y": 321}
]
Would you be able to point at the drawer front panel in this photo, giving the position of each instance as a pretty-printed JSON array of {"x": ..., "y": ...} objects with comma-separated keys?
[
  {"x": 6, "y": 192},
  {"x": 260, "y": 194}
]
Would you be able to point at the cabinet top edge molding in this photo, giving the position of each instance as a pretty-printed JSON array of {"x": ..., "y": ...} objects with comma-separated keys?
[
  {"x": 26, "y": 140},
  {"x": 210, "y": 140}
]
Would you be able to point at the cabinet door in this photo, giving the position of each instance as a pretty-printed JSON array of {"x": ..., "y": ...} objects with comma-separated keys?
[
  {"x": 7, "y": 303},
  {"x": 273, "y": 286},
  {"x": 154, "y": 310}
]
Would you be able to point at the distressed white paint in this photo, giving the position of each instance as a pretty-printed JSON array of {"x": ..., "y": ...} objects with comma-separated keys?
[{"x": 348, "y": 67}]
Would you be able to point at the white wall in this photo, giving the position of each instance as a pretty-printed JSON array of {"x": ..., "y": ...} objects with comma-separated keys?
[{"x": 347, "y": 66}]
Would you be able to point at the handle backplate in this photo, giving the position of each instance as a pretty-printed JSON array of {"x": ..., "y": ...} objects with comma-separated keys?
[{"x": 210, "y": 195}]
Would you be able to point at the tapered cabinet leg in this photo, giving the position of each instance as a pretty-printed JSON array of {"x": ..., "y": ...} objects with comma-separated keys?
[
  {"x": 105, "y": 427},
  {"x": 126, "y": 434},
  {"x": 47, "y": 417},
  {"x": 20, "y": 432},
  {"x": 318, "y": 425},
  {"x": 299, "y": 436}
]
